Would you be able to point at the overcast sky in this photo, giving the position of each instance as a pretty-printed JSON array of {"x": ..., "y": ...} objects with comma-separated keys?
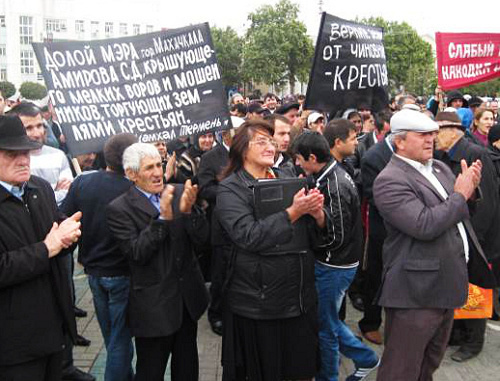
[{"x": 426, "y": 16}]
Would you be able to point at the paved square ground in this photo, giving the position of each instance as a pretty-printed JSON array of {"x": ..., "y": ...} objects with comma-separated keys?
[{"x": 485, "y": 367}]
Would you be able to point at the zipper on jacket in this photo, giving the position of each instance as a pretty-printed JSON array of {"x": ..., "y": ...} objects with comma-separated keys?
[{"x": 27, "y": 207}]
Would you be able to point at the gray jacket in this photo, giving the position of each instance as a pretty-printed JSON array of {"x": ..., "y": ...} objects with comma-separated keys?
[{"x": 423, "y": 256}]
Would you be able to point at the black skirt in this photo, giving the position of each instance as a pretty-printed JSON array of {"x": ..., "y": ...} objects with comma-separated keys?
[{"x": 270, "y": 350}]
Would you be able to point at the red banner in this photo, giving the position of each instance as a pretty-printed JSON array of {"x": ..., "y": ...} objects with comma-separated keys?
[{"x": 467, "y": 58}]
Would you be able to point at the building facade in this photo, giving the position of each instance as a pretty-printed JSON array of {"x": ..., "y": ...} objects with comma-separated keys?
[{"x": 25, "y": 21}]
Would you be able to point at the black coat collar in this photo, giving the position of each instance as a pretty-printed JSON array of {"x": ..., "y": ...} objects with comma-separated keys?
[{"x": 142, "y": 203}]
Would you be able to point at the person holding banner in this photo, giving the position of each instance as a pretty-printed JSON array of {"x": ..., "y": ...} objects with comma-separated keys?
[
  {"x": 270, "y": 327},
  {"x": 427, "y": 257}
]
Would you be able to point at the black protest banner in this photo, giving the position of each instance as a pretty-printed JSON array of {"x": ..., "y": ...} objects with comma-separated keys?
[
  {"x": 349, "y": 67},
  {"x": 158, "y": 86}
]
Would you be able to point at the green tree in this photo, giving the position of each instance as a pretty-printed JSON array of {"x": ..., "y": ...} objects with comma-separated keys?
[
  {"x": 7, "y": 88},
  {"x": 410, "y": 60},
  {"x": 490, "y": 88},
  {"x": 32, "y": 90},
  {"x": 277, "y": 48},
  {"x": 229, "y": 49}
]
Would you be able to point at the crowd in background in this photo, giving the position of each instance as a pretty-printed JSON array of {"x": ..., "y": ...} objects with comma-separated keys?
[{"x": 161, "y": 220}]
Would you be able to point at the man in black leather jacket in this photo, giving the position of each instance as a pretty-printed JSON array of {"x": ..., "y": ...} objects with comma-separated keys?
[{"x": 336, "y": 260}]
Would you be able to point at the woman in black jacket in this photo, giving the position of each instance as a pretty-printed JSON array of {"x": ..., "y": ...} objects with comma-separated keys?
[{"x": 270, "y": 330}]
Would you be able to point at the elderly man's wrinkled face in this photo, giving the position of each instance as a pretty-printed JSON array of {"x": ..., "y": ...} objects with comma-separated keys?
[
  {"x": 14, "y": 166},
  {"x": 150, "y": 175},
  {"x": 418, "y": 146},
  {"x": 445, "y": 138}
]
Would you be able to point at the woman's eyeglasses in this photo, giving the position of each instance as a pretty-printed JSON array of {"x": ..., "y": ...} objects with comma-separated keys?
[{"x": 264, "y": 142}]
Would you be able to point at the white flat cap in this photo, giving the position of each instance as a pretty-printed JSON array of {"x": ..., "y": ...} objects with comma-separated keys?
[
  {"x": 412, "y": 120},
  {"x": 313, "y": 117}
]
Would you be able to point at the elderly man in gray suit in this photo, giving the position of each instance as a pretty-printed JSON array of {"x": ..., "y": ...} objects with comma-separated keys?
[{"x": 431, "y": 251}]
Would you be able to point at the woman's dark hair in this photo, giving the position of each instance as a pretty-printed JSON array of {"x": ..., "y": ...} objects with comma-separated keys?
[
  {"x": 312, "y": 142},
  {"x": 240, "y": 143}
]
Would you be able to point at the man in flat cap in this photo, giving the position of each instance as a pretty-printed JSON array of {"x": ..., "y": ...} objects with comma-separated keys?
[
  {"x": 35, "y": 300},
  {"x": 429, "y": 246},
  {"x": 290, "y": 111}
]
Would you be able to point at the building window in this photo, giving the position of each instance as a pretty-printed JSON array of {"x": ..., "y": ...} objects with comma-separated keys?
[
  {"x": 94, "y": 29},
  {"x": 3, "y": 74},
  {"x": 2, "y": 21},
  {"x": 55, "y": 25},
  {"x": 3, "y": 51},
  {"x": 27, "y": 62},
  {"x": 137, "y": 29},
  {"x": 108, "y": 29},
  {"x": 123, "y": 29},
  {"x": 149, "y": 28},
  {"x": 26, "y": 29},
  {"x": 80, "y": 26}
]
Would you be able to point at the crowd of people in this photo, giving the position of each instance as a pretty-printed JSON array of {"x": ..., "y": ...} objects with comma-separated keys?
[{"x": 398, "y": 210}]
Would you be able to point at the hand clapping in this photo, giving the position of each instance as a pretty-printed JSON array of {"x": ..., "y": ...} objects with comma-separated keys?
[
  {"x": 188, "y": 197},
  {"x": 310, "y": 203},
  {"x": 467, "y": 182},
  {"x": 63, "y": 235},
  {"x": 167, "y": 196}
]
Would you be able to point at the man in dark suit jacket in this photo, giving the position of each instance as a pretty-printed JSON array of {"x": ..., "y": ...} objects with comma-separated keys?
[
  {"x": 374, "y": 161},
  {"x": 430, "y": 246},
  {"x": 36, "y": 309},
  {"x": 453, "y": 147},
  {"x": 211, "y": 166},
  {"x": 155, "y": 228}
]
